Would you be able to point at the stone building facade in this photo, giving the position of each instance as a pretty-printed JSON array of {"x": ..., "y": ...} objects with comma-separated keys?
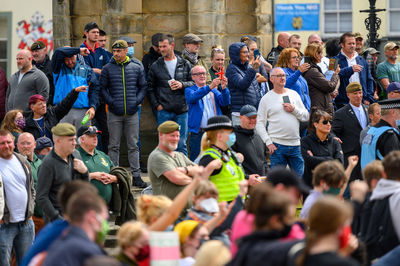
[{"x": 215, "y": 21}]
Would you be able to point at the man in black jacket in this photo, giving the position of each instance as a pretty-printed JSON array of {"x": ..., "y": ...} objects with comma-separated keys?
[
  {"x": 42, "y": 118},
  {"x": 249, "y": 143},
  {"x": 42, "y": 61},
  {"x": 348, "y": 123},
  {"x": 167, "y": 79}
]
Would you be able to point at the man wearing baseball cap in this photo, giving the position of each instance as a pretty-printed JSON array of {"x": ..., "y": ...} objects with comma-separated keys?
[
  {"x": 249, "y": 143},
  {"x": 97, "y": 162},
  {"x": 192, "y": 43},
  {"x": 389, "y": 70},
  {"x": 60, "y": 166},
  {"x": 153, "y": 54},
  {"x": 42, "y": 61},
  {"x": 170, "y": 171},
  {"x": 123, "y": 87},
  {"x": 393, "y": 90}
]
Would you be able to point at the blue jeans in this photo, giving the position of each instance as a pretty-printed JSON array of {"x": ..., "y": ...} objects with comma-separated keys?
[
  {"x": 288, "y": 155},
  {"x": 17, "y": 236},
  {"x": 194, "y": 145},
  {"x": 182, "y": 120}
]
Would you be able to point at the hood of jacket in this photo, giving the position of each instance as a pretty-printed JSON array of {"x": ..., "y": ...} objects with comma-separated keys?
[
  {"x": 234, "y": 53},
  {"x": 385, "y": 188}
]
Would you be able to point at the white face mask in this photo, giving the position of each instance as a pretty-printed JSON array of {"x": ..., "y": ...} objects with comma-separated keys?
[{"x": 209, "y": 205}]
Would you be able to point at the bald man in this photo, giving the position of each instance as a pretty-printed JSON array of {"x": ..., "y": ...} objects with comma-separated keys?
[
  {"x": 283, "y": 42},
  {"x": 324, "y": 64},
  {"x": 26, "y": 146},
  {"x": 24, "y": 83}
]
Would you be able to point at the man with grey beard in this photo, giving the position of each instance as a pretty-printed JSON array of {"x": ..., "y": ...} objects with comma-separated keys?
[
  {"x": 24, "y": 83},
  {"x": 389, "y": 70},
  {"x": 169, "y": 170}
]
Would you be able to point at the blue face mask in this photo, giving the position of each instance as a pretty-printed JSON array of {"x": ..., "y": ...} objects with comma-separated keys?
[
  {"x": 232, "y": 140},
  {"x": 131, "y": 51}
]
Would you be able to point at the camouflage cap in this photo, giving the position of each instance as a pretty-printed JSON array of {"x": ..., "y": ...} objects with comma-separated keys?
[
  {"x": 168, "y": 127},
  {"x": 120, "y": 44},
  {"x": 63, "y": 129},
  {"x": 353, "y": 87},
  {"x": 37, "y": 45}
]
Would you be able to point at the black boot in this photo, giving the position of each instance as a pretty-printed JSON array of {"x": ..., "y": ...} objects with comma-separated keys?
[{"x": 138, "y": 182}]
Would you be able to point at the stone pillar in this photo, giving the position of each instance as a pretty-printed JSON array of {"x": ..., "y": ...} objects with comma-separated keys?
[{"x": 61, "y": 23}]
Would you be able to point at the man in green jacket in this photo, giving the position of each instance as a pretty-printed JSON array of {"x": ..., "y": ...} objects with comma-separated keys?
[{"x": 26, "y": 146}]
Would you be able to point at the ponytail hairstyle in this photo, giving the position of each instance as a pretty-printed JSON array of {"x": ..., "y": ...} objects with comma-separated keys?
[
  {"x": 327, "y": 216},
  {"x": 209, "y": 139},
  {"x": 316, "y": 115},
  {"x": 216, "y": 49},
  {"x": 151, "y": 207}
]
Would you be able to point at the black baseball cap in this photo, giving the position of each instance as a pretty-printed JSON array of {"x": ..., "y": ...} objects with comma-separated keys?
[
  {"x": 286, "y": 177},
  {"x": 87, "y": 130},
  {"x": 248, "y": 110}
]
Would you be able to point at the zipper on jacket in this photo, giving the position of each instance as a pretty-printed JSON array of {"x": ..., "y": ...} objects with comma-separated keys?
[{"x": 123, "y": 83}]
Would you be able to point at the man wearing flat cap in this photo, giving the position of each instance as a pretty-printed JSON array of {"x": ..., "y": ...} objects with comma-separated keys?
[
  {"x": 123, "y": 87},
  {"x": 347, "y": 124},
  {"x": 389, "y": 70},
  {"x": 70, "y": 73},
  {"x": 60, "y": 166},
  {"x": 384, "y": 137},
  {"x": 169, "y": 170},
  {"x": 42, "y": 61},
  {"x": 192, "y": 44}
]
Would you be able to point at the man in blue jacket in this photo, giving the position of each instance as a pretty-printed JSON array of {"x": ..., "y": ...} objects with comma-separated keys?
[
  {"x": 69, "y": 74},
  {"x": 353, "y": 68},
  {"x": 123, "y": 87},
  {"x": 204, "y": 103}
]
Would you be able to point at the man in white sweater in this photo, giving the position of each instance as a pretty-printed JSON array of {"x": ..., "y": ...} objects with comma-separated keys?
[{"x": 283, "y": 110}]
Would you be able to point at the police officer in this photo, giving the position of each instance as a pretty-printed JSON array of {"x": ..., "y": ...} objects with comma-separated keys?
[{"x": 384, "y": 137}]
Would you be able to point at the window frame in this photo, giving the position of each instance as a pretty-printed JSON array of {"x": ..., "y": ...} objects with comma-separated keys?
[
  {"x": 8, "y": 16},
  {"x": 337, "y": 12},
  {"x": 388, "y": 10}
]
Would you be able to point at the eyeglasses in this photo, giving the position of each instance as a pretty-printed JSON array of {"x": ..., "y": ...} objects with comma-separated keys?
[
  {"x": 325, "y": 122},
  {"x": 279, "y": 76},
  {"x": 199, "y": 74},
  {"x": 295, "y": 57},
  {"x": 91, "y": 131},
  {"x": 218, "y": 49}
]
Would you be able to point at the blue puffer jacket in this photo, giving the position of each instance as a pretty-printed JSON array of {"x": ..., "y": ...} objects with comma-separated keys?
[
  {"x": 96, "y": 59},
  {"x": 67, "y": 79},
  {"x": 366, "y": 80},
  {"x": 242, "y": 81},
  {"x": 123, "y": 86}
]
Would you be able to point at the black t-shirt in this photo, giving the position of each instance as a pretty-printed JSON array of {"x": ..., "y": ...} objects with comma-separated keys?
[{"x": 329, "y": 259}]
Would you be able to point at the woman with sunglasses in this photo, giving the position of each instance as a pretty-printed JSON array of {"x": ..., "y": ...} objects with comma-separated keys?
[
  {"x": 319, "y": 145},
  {"x": 320, "y": 87}
]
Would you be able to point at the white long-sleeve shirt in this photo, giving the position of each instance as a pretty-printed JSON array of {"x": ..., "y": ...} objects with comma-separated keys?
[{"x": 283, "y": 127}]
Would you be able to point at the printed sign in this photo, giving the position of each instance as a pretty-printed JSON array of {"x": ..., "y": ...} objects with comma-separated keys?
[{"x": 297, "y": 17}]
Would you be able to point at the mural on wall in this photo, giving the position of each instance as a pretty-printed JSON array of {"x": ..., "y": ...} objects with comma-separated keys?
[{"x": 37, "y": 30}]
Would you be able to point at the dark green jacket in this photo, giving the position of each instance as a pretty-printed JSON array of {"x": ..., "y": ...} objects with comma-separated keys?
[{"x": 122, "y": 201}]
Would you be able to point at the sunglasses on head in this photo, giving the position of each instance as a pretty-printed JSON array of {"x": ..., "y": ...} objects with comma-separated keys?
[{"x": 325, "y": 122}]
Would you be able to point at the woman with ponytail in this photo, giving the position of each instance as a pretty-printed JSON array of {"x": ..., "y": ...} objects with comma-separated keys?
[
  {"x": 319, "y": 145},
  {"x": 329, "y": 239}
]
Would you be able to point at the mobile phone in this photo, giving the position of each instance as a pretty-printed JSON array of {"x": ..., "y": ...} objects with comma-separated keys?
[
  {"x": 286, "y": 99},
  {"x": 256, "y": 53},
  {"x": 307, "y": 59},
  {"x": 333, "y": 63}
]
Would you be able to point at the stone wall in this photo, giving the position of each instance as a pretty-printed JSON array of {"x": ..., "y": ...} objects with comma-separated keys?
[{"x": 215, "y": 21}]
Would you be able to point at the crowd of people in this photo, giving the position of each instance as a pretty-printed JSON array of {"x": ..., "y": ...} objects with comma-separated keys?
[{"x": 291, "y": 159}]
